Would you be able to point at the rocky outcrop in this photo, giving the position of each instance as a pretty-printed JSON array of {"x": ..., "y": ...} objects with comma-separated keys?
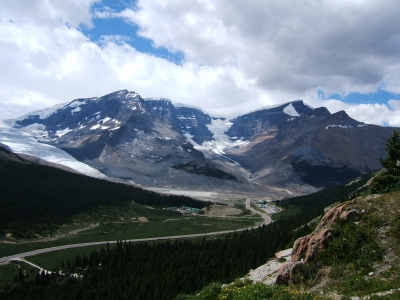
[
  {"x": 267, "y": 272},
  {"x": 287, "y": 271},
  {"x": 306, "y": 248}
]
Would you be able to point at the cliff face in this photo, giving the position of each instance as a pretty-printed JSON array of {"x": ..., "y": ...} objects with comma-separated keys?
[{"x": 306, "y": 248}]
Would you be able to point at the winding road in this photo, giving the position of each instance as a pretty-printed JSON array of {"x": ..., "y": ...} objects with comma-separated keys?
[
  {"x": 267, "y": 220},
  {"x": 265, "y": 216}
]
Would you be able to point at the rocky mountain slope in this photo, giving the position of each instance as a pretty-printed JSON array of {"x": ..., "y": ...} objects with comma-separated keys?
[
  {"x": 295, "y": 141},
  {"x": 291, "y": 148},
  {"x": 117, "y": 135}
]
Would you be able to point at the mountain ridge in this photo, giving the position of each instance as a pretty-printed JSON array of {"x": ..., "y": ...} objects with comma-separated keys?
[{"x": 291, "y": 146}]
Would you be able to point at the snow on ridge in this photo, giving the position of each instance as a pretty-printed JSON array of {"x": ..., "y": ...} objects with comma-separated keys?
[
  {"x": 76, "y": 103},
  {"x": 187, "y": 106},
  {"x": 179, "y": 105},
  {"x": 42, "y": 113},
  {"x": 131, "y": 95},
  {"x": 341, "y": 126},
  {"x": 271, "y": 107},
  {"x": 291, "y": 111},
  {"x": 156, "y": 99}
]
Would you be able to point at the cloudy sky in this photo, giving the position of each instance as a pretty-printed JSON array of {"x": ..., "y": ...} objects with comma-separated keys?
[{"x": 226, "y": 56}]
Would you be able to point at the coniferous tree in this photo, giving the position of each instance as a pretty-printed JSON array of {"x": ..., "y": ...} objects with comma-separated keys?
[
  {"x": 391, "y": 162},
  {"x": 389, "y": 179}
]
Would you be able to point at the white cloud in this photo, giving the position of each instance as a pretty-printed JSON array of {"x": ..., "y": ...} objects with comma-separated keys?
[
  {"x": 238, "y": 56},
  {"x": 395, "y": 104},
  {"x": 47, "y": 12},
  {"x": 339, "y": 46}
]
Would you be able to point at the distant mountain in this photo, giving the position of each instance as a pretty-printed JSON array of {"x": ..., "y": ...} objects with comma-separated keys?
[
  {"x": 124, "y": 136},
  {"x": 290, "y": 148},
  {"x": 295, "y": 140}
]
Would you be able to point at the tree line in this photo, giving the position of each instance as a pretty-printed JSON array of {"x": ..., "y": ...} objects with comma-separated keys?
[{"x": 38, "y": 198}]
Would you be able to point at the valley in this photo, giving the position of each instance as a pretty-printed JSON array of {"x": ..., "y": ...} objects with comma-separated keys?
[{"x": 203, "y": 199}]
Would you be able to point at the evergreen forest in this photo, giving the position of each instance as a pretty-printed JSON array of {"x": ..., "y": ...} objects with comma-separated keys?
[
  {"x": 165, "y": 269},
  {"x": 36, "y": 198}
]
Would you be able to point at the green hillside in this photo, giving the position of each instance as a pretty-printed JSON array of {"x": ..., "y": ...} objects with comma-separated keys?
[{"x": 36, "y": 198}]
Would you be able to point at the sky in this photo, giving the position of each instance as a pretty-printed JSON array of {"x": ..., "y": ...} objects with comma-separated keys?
[{"x": 225, "y": 56}]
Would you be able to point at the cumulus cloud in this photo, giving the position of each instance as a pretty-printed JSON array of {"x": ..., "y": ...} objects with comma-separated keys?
[
  {"x": 238, "y": 56},
  {"x": 339, "y": 46}
]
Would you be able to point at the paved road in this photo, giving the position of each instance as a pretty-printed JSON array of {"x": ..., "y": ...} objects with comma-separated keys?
[
  {"x": 265, "y": 216},
  {"x": 267, "y": 220},
  {"x": 45, "y": 250}
]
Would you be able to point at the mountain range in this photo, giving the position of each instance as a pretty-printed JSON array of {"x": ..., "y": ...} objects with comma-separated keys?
[{"x": 287, "y": 149}]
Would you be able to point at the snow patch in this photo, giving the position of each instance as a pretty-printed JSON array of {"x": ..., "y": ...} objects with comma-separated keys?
[
  {"x": 77, "y": 109},
  {"x": 105, "y": 120},
  {"x": 131, "y": 95},
  {"x": 60, "y": 133},
  {"x": 341, "y": 126},
  {"x": 97, "y": 126},
  {"x": 291, "y": 111}
]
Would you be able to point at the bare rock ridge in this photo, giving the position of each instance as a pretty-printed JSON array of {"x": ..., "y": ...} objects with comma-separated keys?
[
  {"x": 306, "y": 248},
  {"x": 290, "y": 148}
]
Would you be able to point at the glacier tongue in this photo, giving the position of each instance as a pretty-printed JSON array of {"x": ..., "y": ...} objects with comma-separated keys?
[
  {"x": 221, "y": 141},
  {"x": 21, "y": 142}
]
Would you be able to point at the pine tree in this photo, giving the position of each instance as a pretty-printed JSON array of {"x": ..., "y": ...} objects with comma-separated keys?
[
  {"x": 389, "y": 180},
  {"x": 391, "y": 162}
]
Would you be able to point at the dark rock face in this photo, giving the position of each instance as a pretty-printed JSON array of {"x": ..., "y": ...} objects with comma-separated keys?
[{"x": 187, "y": 120}]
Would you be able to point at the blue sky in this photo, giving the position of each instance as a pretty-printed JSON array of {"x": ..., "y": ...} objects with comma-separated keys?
[
  {"x": 117, "y": 26},
  {"x": 228, "y": 57},
  {"x": 380, "y": 97}
]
